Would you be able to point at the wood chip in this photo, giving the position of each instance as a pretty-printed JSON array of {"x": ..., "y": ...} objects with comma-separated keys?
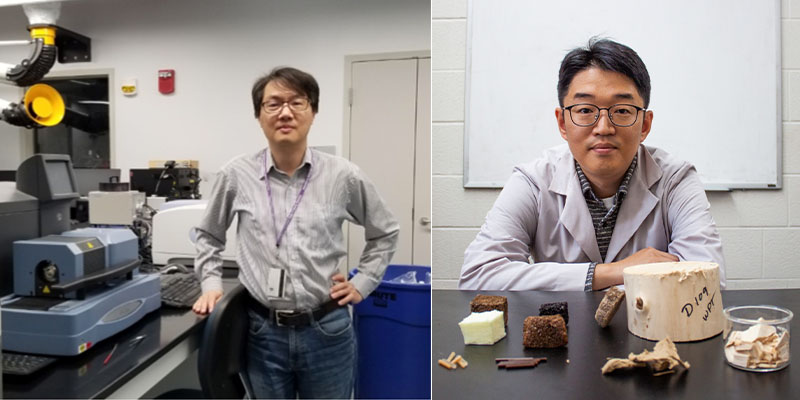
[
  {"x": 453, "y": 361},
  {"x": 760, "y": 346},
  {"x": 446, "y": 364}
]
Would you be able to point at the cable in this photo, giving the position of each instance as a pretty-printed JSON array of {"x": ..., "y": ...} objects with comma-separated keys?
[
  {"x": 167, "y": 166},
  {"x": 144, "y": 232},
  {"x": 149, "y": 212},
  {"x": 160, "y": 178}
]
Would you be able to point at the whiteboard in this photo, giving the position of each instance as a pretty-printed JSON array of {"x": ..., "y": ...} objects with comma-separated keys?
[{"x": 715, "y": 71}]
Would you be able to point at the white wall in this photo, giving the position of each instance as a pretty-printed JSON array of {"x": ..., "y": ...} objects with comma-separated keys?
[
  {"x": 760, "y": 229},
  {"x": 218, "y": 49}
]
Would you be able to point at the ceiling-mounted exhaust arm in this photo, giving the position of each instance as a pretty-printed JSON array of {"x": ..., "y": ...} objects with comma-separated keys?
[
  {"x": 42, "y": 19},
  {"x": 35, "y": 67}
]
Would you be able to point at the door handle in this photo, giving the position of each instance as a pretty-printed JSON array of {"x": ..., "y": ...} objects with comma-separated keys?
[{"x": 425, "y": 221}]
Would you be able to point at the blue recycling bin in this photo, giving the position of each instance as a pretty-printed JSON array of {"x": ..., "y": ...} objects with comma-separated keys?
[{"x": 393, "y": 327}]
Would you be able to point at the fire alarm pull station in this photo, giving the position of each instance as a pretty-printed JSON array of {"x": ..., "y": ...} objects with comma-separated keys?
[{"x": 166, "y": 81}]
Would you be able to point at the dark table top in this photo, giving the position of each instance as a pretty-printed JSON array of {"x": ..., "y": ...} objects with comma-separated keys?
[
  {"x": 709, "y": 376},
  {"x": 84, "y": 376}
]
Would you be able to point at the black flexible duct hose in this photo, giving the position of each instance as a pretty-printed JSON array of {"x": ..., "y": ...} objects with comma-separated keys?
[
  {"x": 31, "y": 70},
  {"x": 15, "y": 114}
]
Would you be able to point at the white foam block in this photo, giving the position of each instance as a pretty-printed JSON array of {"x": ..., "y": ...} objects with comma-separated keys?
[{"x": 483, "y": 328}]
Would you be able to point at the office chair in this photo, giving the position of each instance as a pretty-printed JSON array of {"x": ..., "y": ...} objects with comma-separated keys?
[{"x": 221, "y": 358}]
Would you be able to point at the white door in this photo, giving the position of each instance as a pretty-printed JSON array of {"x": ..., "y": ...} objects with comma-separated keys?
[
  {"x": 421, "y": 252},
  {"x": 389, "y": 139}
]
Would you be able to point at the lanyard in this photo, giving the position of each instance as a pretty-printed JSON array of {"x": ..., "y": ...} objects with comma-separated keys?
[{"x": 296, "y": 202}]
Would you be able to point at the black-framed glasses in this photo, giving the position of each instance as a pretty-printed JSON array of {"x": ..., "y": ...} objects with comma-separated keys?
[
  {"x": 296, "y": 104},
  {"x": 585, "y": 114}
]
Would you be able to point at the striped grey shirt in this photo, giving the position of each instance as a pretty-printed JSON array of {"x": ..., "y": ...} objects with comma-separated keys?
[
  {"x": 313, "y": 244},
  {"x": 603, "y": 219}
]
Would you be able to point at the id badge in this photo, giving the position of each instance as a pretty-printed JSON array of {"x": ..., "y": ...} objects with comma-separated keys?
[{"x": 276, "y": 282}]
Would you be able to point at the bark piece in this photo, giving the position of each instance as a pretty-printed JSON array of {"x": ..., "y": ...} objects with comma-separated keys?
[
  {"x": 609, "y": 306},
  {"x": 663, "y": 358}
]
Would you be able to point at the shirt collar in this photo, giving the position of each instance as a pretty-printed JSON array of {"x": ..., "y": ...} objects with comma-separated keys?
[
  {"x": 586, "y": 187},
  {"x": 308, "y": 159}
]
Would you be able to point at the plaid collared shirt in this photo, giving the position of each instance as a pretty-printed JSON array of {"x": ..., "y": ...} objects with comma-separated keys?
[{"x": 603, "y": 219}]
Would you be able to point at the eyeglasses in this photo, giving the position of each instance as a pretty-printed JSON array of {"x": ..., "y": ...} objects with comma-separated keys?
[
  {"x": 296, "y": 104},
  {"x": 621, "y": 115}
]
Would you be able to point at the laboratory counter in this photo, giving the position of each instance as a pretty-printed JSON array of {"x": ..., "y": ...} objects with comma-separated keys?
[
  {"x": 573, "y": 372},
  {"x": 145, "y": 353}
]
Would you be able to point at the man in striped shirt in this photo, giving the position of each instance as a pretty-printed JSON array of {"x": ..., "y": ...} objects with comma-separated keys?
[
  {"x": 291, "y": 202},
  {"x": 575, "y": 219}
]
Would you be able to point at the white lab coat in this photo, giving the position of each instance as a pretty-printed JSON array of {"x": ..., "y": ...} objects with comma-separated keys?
[{"x": 541, "y": 213}]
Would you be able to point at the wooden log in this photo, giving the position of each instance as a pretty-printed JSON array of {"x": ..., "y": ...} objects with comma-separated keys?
[{"x": 679, "y": 300}]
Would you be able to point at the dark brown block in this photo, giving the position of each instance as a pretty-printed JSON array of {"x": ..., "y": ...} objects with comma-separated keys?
[
  {"x": 484, "y": 302},
  {"x": 561, "y": 308},
  {"x": 544, "y": 331}
]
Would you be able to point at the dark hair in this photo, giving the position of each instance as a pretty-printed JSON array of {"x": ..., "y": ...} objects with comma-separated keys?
[
  {"x": 607, "y": 55},
  {"x": 292, "y": 78}
]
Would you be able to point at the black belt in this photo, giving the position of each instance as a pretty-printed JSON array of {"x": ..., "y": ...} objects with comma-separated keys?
[{"x": 290, "y": 317}]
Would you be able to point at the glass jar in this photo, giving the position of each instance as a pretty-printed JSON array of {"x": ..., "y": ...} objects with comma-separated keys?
[{"x": 756, "y": 338}]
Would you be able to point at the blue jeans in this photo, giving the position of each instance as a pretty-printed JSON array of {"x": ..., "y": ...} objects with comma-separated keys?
[{"x": 313, "y": 361}]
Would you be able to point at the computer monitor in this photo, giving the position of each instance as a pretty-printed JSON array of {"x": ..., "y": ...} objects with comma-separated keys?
[
  {"x": 146, "y": 179},
  {"x": 48, "y": 177},
  {"x": 59, "y": 177},
  {"x": 176, "y": 183}
]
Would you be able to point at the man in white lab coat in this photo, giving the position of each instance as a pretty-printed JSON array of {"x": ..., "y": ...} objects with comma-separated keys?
[{"x": 574, "y": 219}]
